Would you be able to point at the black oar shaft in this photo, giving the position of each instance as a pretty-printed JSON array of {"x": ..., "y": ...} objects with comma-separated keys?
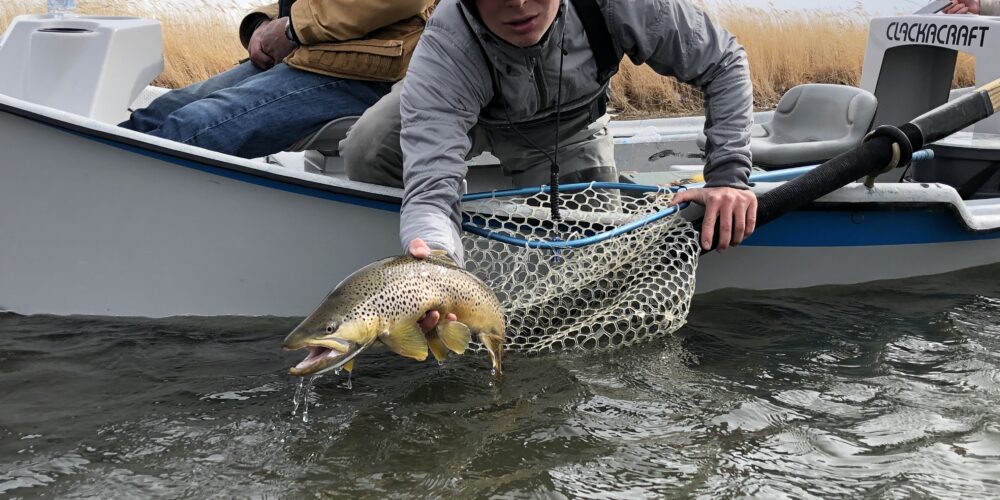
[{"x": 839, "y": 171}]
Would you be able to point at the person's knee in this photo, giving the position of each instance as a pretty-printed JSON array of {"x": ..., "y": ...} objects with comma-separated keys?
[
  {"x": 371, "y": 153},
  {"x": 371, "y": 150},
  {"x": 357, "y": 147}
]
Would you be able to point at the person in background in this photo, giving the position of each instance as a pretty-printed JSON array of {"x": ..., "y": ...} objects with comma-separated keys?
[
  {"x": 326, "y": 59},
  {"x": 510, "y": 76},
  {"x": 983, "y": 7}
]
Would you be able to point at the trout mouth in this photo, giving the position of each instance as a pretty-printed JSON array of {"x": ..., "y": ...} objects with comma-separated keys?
[
  {"x": 320, "y": 359},
  {"x": 325, "y": 357}
]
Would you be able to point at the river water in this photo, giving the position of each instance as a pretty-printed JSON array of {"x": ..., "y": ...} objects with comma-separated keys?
[{"x": 888, "y": 390}]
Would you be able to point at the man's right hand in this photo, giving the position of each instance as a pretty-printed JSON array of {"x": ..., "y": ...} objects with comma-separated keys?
[
  {"x": 258, "y": 57},
  {"x": 962, "y": 7},
  {"x": 419, "y": 249}
]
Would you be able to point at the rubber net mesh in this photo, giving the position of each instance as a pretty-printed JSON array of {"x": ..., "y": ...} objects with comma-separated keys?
[{"x": 627, "y": 289}]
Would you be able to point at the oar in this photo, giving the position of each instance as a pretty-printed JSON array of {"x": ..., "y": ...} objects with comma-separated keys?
[{"x": 876, "y": 153}]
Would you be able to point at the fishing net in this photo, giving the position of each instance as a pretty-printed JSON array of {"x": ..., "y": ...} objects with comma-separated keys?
[{"x": 607, "y": 286}]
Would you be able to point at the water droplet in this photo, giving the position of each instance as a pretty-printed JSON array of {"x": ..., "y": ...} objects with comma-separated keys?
[
  {"x": 297, "y": 398},
  {"x": 305, "y": 397}
]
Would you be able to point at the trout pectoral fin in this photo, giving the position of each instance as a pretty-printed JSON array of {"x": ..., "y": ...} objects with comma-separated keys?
[
  {"x": 349, "y": 366},
  {"x": 437, "y": 347},
  {"x": 455, "y": 335},
  {"x": 406, "y": 339}
]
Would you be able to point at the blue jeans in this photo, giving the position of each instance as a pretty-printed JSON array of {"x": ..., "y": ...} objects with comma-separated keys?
[{"x": 251, "y": 112}]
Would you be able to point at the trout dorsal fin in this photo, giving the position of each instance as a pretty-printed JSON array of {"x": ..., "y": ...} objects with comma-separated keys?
[
  {"x": 455, "y": 335},
  {"x": 406, "y": 339},
  {"x": 441, "y": 256}
]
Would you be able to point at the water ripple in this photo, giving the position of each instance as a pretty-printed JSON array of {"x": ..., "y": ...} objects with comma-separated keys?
[{"x": 887, "y": 390}]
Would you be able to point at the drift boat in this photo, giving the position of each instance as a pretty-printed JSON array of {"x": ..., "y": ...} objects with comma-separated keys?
[{"x": 105, "y": 221}]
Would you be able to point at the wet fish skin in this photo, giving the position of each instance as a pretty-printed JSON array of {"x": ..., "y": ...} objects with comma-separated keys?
[{"x": 383, "y": 302}]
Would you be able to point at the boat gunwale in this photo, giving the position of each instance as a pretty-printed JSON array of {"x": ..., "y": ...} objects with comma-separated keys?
[
  {"x": 368, "y": 198},
  {"x": 206, "y": 164}
]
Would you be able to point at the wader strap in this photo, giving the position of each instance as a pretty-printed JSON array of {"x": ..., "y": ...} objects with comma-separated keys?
[{"x": 599, "y": 38}]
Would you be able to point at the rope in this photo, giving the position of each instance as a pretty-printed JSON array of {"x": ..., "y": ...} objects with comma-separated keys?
[
  {"x": 554, "y": 169},
  {"x": 902, "y": 151}
]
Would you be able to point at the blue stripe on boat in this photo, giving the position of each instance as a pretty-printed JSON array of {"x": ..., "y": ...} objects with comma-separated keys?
[
  {"x": 797, "y": 229},
  {"x": 240, "y": 176},
  {"x": 863, "y": 228}
]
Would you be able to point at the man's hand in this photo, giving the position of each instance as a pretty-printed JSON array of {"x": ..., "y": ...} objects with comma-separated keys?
[
  {"x": 258, "y": 56},
  {"x": 962, "y": 7},
  {"x": 735, "y": 209},
  {"x": 429, "y": 321},
  {"x": 268, "y": 44},
  {"x": 419, "y": 249},
  {"x": 273, "y": 40}
]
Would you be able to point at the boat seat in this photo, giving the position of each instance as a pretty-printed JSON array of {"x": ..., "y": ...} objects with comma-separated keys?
[
  {"x": 322, "y": 147},
  {"x": 812, "y": 123}
]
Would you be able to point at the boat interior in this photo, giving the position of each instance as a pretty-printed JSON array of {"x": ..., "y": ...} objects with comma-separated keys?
[{"x": 98, "y": 68}]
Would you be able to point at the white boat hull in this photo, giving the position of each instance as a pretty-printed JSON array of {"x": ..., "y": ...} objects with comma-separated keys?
[
  {"x": 96, "y": 220},
  {"x": 90, "y": 228},
  {"x": 769, "y": 268}
]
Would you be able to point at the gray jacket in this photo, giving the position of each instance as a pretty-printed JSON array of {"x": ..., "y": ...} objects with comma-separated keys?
[
  {"x": 448, "y": 89},
  {"x": 989, "y": 7}
]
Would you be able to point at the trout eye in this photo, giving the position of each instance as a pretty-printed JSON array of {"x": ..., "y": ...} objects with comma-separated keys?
[{"x": 332, "y": 327}]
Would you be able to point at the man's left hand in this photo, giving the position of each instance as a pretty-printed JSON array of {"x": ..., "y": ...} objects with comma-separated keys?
[
  {"x": 735, "y": 209},
  {"x": 273, "y": 40}
]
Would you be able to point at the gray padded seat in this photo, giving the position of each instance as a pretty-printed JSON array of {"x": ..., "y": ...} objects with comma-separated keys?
[
  {"x": 322, "y": 148},
  {"x": 326, "y": 139},
  {"x": 812, "y": 123}
]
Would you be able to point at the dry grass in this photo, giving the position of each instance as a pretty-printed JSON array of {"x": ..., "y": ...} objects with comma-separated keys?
[{"x": 784, "y": 48}]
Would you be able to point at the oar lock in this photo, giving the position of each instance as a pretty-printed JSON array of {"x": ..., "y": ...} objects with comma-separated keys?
[{"x": 902, "y": 150}]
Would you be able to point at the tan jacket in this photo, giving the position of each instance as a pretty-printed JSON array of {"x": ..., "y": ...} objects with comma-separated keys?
[{"x": 357, "y": 39}]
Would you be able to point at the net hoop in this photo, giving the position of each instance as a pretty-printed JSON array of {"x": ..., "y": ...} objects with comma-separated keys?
[{"x": 469, "y": 224}]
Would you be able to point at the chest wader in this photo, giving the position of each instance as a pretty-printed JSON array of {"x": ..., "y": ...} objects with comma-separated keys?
[
  {"x": 372, "y": 151},
  {"x": 582, "y": 150}
]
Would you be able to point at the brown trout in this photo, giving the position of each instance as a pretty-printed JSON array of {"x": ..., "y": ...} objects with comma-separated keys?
[{"x": 383, "y": 302}]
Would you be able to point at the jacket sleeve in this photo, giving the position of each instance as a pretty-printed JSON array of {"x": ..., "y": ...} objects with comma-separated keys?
[
  {"x": 445, "y": 88},
  {"x": 319, "y": 21},
  {"x": 989, "y": 7},
  {"x": 676, "y": 39},
  {"x": 251, "y": 20}
]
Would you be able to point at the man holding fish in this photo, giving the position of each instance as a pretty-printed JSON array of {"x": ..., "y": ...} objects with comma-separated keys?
[{"x": 528, "y": 81}]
